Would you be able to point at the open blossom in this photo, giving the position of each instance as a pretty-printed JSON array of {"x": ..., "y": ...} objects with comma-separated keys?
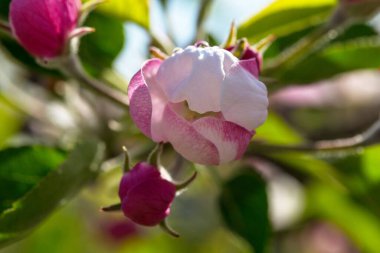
[
  {"x": 42, "y": 26},
  {"x": 145, "y": 196},
  {"x": 204, "y": 101}
]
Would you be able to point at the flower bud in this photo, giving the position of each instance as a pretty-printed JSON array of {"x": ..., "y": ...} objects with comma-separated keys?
[
  {"x": 43, "y": 27},
  {"x": 145, "y": 196},
  {"x": 203, "y": 100},
  {"x": 250, "y": 59}
]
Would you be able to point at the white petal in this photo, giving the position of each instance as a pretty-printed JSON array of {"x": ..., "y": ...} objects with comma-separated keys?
[
  {"x": 195, "y": 75},
  {"x": 244, "y": 98}
]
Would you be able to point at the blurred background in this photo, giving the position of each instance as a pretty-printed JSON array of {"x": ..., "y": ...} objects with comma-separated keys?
[{"x": 322, "y": 73}]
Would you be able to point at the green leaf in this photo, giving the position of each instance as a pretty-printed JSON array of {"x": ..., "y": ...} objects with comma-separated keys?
[
  {"x": 51, "y": 191},
  {"x": 371, "y": 163},
  {"x": 128, "y": 10},
  {"x": 361, "y": 225},
  {"x": 276, "y": 130},
  {"x": 309, "y": 166},
  {"x": 4, "y": 9},
  {"x": 99, "y": 49},
  {"x": 244, "y": 208},
  {"x": 13, "y": 121},
  {"x": 353, "y": 32},
  {"x": 336, "y": 59},
  {"x": 285, "y": 17},
  {"x": 22, "y": 168}
]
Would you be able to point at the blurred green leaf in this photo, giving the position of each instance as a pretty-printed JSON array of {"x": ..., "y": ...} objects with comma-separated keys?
[
  {"x": 276, "y": 130},
  {"x": 362, "y": 226},
  {"x": 4, "y": 9},
  {"x": 22, "y": 168},
  {"x": 309, "y": 166},
  {"x": 13, "y": 121},
  {"x": 371, "y": 163},
  {"x": 284, "y": 17},
  {"x": 337, "y": 58},
  {"x": 244, "y": 208},
  {"x": 128, "y": 10},
  {"x": 51, "y": 191},
  {"x": 99, "y": 49}
]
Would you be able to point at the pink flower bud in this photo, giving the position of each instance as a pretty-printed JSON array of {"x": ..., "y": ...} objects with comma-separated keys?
[
  {"x": 145, "y": 196},
  {"x": 42, "y": 26},
  {"x": 204, "y": 101},
  {"x": 251, "y": 59}
]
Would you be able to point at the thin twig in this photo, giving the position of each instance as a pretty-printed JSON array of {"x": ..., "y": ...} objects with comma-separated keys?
[
  {"x": 369, "y": 137},
  {"x": 313, "y": 42}
]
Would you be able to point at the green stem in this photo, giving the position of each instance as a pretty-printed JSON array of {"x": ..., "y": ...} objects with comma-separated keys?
[
  {"x": 5, "y": 28},
  {"x": 72, "y": 67},
  {"x": 309, "y": 44},
  {"x": 202, "y": 15}
]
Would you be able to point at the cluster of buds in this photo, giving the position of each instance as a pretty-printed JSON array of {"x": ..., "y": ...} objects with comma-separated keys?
[{"x": 205, "y": 101}]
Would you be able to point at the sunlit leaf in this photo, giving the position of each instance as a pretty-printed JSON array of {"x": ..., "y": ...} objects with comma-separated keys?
[
  {"x": 128, "y": 10},
  {"x": 244, "y": 208},
  {"x": 51, "y": 191},
  {"x": 284, "y": 17},
  {"x": 371, "y": 163}
]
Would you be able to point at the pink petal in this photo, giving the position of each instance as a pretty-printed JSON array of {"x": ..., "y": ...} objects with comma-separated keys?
[
  {"x": 230, "y": 139},
  {"x": 244, "y": 98},
  {"x": 186, "y": 140},
  {"x": 140, "y": 104},
  {"x": 149, "y": 202},
  {"x": 140, "y": 172}
]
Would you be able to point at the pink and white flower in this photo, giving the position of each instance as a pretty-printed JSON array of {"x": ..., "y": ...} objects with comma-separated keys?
[
  {"x": 43, "y": 26},
  {"x": 204, "y": 101}
]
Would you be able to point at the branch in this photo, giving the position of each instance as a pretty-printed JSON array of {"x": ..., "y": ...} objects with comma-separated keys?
[{"x": 368, "y": 137}]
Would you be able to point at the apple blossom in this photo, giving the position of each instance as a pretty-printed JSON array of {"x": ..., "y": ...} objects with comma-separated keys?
[
  {"x": 145, "y": 196},
  {"x": 202, "y": 100},
  {"x": 43, "y": 26}
]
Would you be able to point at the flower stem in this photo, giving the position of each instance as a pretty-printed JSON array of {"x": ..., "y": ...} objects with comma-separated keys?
[
  {"x": 4, "y": 27},
  {"x": 72, "y": 67}
]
